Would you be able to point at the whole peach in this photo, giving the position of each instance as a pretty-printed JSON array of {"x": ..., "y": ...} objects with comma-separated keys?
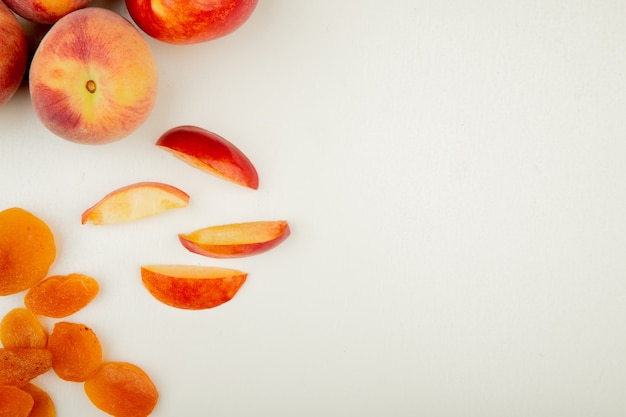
[{"x": 93, "y": 79}]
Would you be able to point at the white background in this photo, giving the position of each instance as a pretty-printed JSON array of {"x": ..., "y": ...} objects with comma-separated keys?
[{"x": 453, "y": 174}]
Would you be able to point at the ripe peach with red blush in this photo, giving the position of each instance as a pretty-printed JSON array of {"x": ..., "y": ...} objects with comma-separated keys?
[
  {"x": 189, "y": 21},
  {"x": 45, "y": 11},
  {"x": 14, "y": 53},
  {"x": 93, "y": 78}
]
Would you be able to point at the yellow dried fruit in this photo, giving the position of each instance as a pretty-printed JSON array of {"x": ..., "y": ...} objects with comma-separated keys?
[
  {"x": 59, "y": 296},
  {"x": 27, "y": 250},
  {"x": 20, "y": 328}
]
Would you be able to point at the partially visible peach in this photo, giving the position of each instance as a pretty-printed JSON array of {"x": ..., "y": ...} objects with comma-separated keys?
[
  {"x": 45, "y": 11},
  {"x": 14, "y": 53},
  {"x": 189, "y": 21},
  {"x": 93, "y": 78}
]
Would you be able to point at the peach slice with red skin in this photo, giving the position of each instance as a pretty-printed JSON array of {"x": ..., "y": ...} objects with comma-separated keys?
[
  {"x": 236, "y": 240},
  {"x": 211, "y": 153},
  {"x": 192, "y": 287},
  {"x": 134, "y": 202}
]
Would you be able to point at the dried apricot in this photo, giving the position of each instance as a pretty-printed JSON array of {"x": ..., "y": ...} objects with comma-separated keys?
[
  {"x": 76, "y": 351},
  {"x": 27, "y": 250},
  {"x": 14, "y": 402},
  {"x": 122, "y": 389},
  {"x": 19, "y": 366},
  {"x": 59, "y": 296},
  {"x": 20, "y": 328},
  {"x": 43, "y": 405}
]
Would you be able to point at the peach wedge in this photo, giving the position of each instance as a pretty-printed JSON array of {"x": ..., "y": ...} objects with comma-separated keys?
[
  {"x": 236, "y": 240},
  {"x": 210, "y": 153},
  {"x": 192, "y": 287},
  {"x": 134, "y": 202}
]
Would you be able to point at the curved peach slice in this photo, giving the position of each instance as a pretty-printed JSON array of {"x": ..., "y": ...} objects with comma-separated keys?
[
  {"x": 192, "y": 287},
  {"x": 236, "y": 240},
  {"x": 211, "y": 153},
  {"x": 134, "y": 202}
]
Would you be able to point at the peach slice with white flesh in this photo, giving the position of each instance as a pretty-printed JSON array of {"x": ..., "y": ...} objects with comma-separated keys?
[
  {"x": 210, "y": 153},
  {"x": 192, "y": 287},
  {"x": 236, "y": 240},
  {"x": 134, "y": 202}
]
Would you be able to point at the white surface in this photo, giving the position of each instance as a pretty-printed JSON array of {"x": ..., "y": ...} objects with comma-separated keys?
[{"x": 453, "y": 173}]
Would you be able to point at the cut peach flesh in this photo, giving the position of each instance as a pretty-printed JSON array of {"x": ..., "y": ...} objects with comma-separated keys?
[
  {"x": 135, "y": 202},
  {"x": 192, "y": 271},
  {"x": 192, "y": 287},
  {"x": 237, "y": 239}
]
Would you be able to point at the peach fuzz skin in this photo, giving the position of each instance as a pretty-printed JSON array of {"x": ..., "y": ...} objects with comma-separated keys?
[
  {"x": 45, "y": 11},
  {"x": 211, "y": 153},
  {"x": 14, "y": 53},
  {"x": 93, "y": 79},
  {"x": 189, "y": 21},
  {"x": 192, "y": 287}
]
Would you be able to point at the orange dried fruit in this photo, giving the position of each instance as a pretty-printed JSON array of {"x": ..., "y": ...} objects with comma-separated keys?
[
  {"x": 20, "y": 328},
  {"x": 14, "y": 402},
  {"x": 122, "y": 389},
  {"x": 27, "y": 250},
  {"x": 43, "y": 405},
  {"x": 59, "y": 296},
  {"x": 19, "y": 366},
  {"x": 76, "y": 351}
]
